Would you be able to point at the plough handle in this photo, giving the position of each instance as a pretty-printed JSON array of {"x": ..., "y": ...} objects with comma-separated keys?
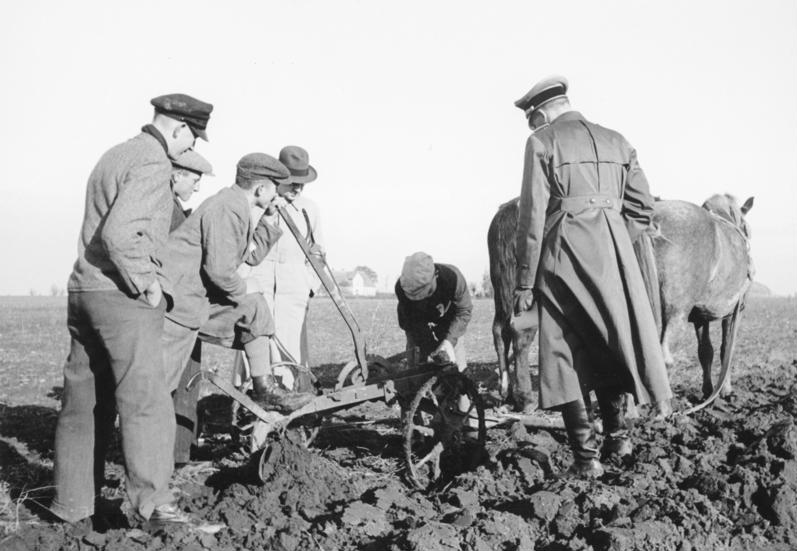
[{"x": 330, "y": 285}]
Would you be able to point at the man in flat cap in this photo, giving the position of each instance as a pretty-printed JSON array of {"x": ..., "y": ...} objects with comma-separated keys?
[
  {"x": 115, "y": 320},
  {"x": 212, "y": 300},
  {"x": 434, "y": 309},
  {"x": 583, "y": 198},
  {"x": 285, "y": 276},
  {"x": 187, "y": 171}
]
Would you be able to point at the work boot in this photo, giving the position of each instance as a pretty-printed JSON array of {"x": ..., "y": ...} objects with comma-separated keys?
[
  {"x": 169, "y": 514},
  {"x": 588, "y": 469},
  {"x": 270, "y": 395},
  {"x": 581, "y": 435},
  {"x": 617, "y": 445}
]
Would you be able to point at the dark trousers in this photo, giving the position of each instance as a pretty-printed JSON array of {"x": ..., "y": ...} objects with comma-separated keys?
[{"x": 115, "y": 364}]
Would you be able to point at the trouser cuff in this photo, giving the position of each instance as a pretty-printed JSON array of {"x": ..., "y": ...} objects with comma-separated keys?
[{"x": 71, "y": 514}]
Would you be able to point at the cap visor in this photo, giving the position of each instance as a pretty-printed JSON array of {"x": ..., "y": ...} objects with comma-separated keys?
[
  {"x": 307, "y": 178},
  {"x": 200, "y": 133},
  {"x": 420, "y": 293}
]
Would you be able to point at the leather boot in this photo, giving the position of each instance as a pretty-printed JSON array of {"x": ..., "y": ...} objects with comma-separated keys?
[
  {"x": 270, "y": 395},
  {"x": 581, "y": 435}
]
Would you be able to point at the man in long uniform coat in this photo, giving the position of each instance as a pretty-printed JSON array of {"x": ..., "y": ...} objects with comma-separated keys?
[{"x": 583, "y": 194}]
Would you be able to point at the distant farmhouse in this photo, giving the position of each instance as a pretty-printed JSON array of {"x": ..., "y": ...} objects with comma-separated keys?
[{"x": 359, "y": 282}]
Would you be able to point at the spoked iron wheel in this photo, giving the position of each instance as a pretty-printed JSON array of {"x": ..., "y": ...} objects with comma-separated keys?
[{"x": 444, "y": 429}]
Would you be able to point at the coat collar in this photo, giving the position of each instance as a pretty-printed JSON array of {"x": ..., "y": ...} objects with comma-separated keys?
[
  {"x": 155, "y": 133},
  {"x": 570, "y": 116}
]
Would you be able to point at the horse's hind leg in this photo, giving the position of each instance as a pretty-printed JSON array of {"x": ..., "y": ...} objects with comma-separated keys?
[
  {"x": 522, "y": 391},
  {"x": 726, "y": 333},
  {"x": 666, "y": 332},
  {"x": 705, "y": 352},
  {"x": 501, "y": 350}
]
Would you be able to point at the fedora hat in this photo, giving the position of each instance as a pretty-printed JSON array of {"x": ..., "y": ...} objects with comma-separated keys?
[{"x": 298, "y": 162}]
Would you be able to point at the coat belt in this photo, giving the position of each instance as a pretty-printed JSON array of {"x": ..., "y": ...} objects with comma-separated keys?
[{"x": 581, "y": 203}]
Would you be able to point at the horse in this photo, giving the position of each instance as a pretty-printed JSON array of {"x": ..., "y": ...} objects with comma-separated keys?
[
  {"x": 677, "y": 285},
  {"x": 703, "y": 270},
  {"x": 511, "y": 341}
]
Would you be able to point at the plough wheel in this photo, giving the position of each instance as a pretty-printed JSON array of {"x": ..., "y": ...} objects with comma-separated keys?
[
  {"x": 351, "y": 374},
  {"x": 444, "y": 429}
]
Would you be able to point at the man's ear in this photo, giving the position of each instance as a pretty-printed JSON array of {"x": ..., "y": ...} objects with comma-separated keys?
[{"x": 178, "y": 129}]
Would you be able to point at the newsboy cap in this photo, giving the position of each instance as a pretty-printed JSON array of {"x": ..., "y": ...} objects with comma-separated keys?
[
  {"x": 259, "y": 166},
  {"x": 298, "y": 162},
  {"x": 184, "y": 108},
  {"x": 417, "y": 276},
  {"x": 193, "y": 161},
  {"x": 541, "y": 93}
]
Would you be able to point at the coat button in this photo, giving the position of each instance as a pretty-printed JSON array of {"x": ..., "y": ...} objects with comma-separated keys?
[
  {"x": 608, "y": 202},
  {"x": 592, "y": 200}
]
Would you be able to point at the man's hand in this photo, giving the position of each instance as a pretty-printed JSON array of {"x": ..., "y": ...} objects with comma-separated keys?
[
  {"x": 524, "y": 300},
  {"x": 277, "y": 202},
  {"x": 316, "y": 250},
  {"x": 153, "y": 294},
  {"x": 444, "y": 353}
]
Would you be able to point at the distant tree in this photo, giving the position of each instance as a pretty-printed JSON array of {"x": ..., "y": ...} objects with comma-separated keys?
[
  {"x": 368, "y": 271},
  {"x": 487, "y": 286},
  {"x": 33, "y": 292},
  {"x": 56, "y": 291}
]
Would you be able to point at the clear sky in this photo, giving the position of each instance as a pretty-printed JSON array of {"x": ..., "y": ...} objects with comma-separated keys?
[{"x": 406, "y": 108}]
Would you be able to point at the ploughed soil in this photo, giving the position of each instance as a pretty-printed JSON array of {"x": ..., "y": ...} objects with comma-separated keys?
[{"x": 725, "y": 478}]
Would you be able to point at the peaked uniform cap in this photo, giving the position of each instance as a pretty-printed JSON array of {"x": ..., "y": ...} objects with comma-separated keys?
[
  {"x": 193, "y": 161},
  {"x": 541, "y": 93},
  {"x": 298, "y": 162},
  {"x": 182, "y": 107}
]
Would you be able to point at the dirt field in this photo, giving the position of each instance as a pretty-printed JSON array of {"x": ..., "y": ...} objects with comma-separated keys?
[{"x": 724, "y": 479}]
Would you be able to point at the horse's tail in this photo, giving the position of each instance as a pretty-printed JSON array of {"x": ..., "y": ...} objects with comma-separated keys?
[{"x": 643, "y": 247}]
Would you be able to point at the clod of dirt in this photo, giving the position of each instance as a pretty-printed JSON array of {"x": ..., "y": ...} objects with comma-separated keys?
[
  {"x": 465, "y": 498},
  {"x": 545, "y": 505},
  {"x": 782, "y": 439},
  {"x": 371, "y": 520},
  {"x": 501, "y": 530},
  {"x": 434, "y": 536},
  {"x": 651, "y": 535}
]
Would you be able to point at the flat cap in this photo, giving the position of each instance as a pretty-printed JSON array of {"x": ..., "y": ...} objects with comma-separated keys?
[
  {"x": 259, "y": 166},
  {"x": 298, "y": 162},
  {"x": 184, "y": 108},
  {"x": 417, "y": 276},
  {"x": 541, "y": 93},
  {"x": 193, "y": 161}
]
